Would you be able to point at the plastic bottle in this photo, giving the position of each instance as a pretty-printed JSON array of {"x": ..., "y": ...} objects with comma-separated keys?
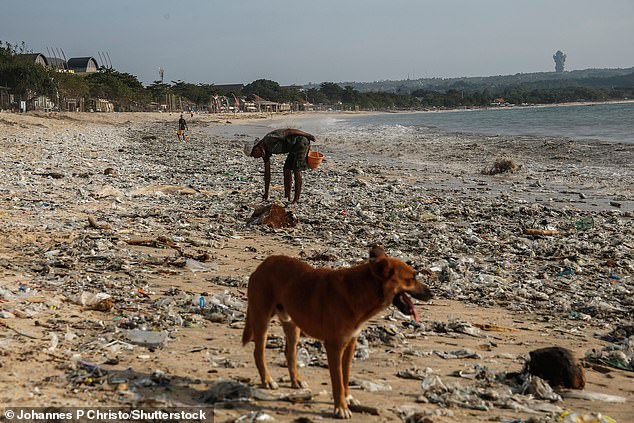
[{"x": 303, "y": 357}]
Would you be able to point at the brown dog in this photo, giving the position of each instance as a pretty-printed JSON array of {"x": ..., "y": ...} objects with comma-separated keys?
[{"x": 327, "y": 304}]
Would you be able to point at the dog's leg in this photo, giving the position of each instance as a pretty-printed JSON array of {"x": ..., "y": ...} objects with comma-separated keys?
[
  {"x": 247, "y": 333},
  {"x": 334, "y": 352},
  {"x": 292, "y": 337},
  {"x": 259, "y": 337},
  {"x": 348, "y": 355}
]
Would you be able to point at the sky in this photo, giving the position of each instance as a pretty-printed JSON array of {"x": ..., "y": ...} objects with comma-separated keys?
[{"x": 301, "y": 41}]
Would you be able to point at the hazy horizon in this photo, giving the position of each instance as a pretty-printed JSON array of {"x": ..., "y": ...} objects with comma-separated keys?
[{"x": 354, "y": 41}]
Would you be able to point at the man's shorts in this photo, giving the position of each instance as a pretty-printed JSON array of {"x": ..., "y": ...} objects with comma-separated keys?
[{"x": 297, "y": 158}]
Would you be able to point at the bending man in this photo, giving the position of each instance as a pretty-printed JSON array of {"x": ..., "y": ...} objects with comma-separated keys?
[{"x": 295, "y": 144}]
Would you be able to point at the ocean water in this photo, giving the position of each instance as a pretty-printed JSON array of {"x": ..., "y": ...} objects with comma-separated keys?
[{"x": 604, "y": 122}]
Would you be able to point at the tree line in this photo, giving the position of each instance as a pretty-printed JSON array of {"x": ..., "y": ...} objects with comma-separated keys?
[{"x": 25, "y": 80}]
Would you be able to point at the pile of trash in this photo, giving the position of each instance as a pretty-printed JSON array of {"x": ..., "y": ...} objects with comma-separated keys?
[
  {"x": 485, "y": 249},
  {"x": 619, "y": 353},
  {"x": 532, "y": 396},
  {"x": 94, "y": 223}
]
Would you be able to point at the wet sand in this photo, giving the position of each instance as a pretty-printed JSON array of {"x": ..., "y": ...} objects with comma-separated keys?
[{"x": 424, "y": 197}]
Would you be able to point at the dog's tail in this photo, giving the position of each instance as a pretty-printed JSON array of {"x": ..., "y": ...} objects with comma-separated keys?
[{"x": 247, "y": 334}]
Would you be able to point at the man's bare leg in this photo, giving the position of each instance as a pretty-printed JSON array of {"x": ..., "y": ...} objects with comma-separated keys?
[
  {"x": 267, "y": 178},
  {"x": 298, "y": 186},
  {"x": 288, "y": 183}
]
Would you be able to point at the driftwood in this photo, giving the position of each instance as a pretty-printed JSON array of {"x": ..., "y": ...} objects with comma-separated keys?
[
  {"x": 159, "y": 242},
  {"x": 529, "y": 231},
  {"x": 93, "y": 223},
  {"x": 493, "y": 328},
  {"x": 144, "y": 242}
]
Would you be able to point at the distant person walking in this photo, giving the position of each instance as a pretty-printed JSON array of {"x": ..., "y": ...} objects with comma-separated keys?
[
  {"x": 182, "y": 127},
  {"x": 295, "y": 144}
]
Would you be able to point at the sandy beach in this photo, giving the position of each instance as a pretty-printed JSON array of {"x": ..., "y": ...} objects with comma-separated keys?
[{"x": 111, "y": 206}]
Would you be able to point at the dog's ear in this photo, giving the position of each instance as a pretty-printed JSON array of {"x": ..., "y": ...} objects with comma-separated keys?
[
  {"x": 381, "y": 267},
  {"x": 377, "y": 251}
]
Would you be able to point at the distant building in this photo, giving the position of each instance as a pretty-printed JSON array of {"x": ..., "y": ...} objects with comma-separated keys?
[
  {"x": 284, "y": 107},
  {"x": 100, "y": 105},
  {"x": 250, "y": 106},
  {"x": 266, "y": 105},
  {"x": 57, "y": 63},
  {"x": 48, "y": 62},
  {"x": 79, "y": 65},
  {"x": 37, "y": 58},
  {"x": 83, "y": 64}
]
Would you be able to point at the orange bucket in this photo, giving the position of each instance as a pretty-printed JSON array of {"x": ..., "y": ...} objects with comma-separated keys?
[{"x": 314, "y": 159}]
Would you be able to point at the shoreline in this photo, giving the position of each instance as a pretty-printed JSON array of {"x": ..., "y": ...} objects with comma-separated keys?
[
  {"x": 315, "y": 118},
  {"x": 268, "y": 115}
]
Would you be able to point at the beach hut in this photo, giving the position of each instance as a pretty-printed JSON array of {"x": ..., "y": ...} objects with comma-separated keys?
[
  {"x": 100, "y": 105},
  {"x": 266, "y": 106}
]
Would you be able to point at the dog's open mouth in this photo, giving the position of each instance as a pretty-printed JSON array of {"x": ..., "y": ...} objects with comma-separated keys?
[{"x": 405, "y": 305}]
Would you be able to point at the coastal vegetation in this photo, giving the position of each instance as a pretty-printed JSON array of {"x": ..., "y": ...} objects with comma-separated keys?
[{"x": 25, "y": 80}]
